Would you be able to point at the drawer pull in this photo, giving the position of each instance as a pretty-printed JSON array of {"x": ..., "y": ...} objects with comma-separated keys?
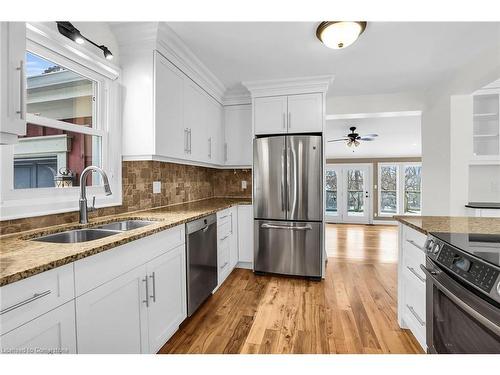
[
  {"x": 414, "y": 313},
  {"x": 224, "y": 265},
  {"x": 412, "y": 270},
  {"x": 416, "y": 245},
  {"x": 25, "y": 302},
  {"x": 223, "y": 217}
]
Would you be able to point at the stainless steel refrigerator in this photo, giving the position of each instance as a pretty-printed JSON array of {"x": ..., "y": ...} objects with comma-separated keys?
[{"x": 288, "y": 204}]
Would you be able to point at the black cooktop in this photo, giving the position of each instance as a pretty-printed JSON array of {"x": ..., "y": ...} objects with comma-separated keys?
[{"x": 483, "y": 246}]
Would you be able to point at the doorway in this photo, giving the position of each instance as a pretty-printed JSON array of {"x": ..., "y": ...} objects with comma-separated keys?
[{"x": 348, "y": 193}]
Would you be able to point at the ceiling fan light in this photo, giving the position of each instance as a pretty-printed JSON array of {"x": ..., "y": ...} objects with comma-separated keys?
[{"x": 339, "y": 34}]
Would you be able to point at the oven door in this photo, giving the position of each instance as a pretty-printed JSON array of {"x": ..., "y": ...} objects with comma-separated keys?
[{"x": 458, "y": 321}]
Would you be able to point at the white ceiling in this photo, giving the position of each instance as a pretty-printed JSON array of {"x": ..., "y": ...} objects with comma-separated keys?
[
  {"x": 388, "y": 57},
  {"x": 397, "y": 137}
]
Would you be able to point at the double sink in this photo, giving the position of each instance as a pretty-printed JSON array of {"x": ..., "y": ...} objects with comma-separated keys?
[{"x": 90, "y": 234}]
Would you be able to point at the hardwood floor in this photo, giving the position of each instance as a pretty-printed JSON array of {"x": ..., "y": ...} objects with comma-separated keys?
[{"x": 353, "y": 310}]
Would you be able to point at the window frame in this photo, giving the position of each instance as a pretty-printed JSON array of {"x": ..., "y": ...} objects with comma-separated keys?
[
  {"x": 20, "y": 203},
  {"x": 400, "y": 188}
]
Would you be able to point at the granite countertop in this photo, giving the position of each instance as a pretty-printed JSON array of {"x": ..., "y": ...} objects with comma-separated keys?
[
  {"x": 21, "y": 258},
  {"x": 455, "y": 224}
]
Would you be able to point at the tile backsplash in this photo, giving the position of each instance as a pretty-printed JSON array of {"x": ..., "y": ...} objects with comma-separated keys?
[{"x": 179, "y": 183}]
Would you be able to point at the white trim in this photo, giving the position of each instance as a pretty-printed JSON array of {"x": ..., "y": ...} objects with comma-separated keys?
[
  {"x": 348, "y": 116},
  {"x": 150, "y": 157},
  {"x": 385, "y": 222},
  {"x": 289, "y": 86},
  {"x": 67, "y": 126},
  {"x": 237, "y": 99},
  {"x": 65, "y": 47}
]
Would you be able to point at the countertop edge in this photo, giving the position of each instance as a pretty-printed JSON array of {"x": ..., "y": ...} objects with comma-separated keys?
[
  {"x": 28, "y": 272},
  {"x": 403, "y": 220}
]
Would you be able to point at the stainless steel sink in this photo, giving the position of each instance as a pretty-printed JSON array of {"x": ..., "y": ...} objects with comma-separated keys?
[
  {"x": 126, "y": 225},
  {"x": 77, "y": 235}
]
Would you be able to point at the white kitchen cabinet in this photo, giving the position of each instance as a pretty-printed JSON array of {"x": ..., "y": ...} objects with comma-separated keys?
[
  {"x": 113, "y": 317},
  {"x": 227, "y": 242},
  {"x": 52, "y": 332},
  {"x": 245, "y": 235},
  {"x": 238, "y": 135},
  {"x": 411, "y": 283},
  {"x": 270, "y": 115},
  {"x": 195, "y": 119},
  {"x": 305, "y": 113},
  {"x": 12, "y": 81},
  {"x": 167, "y": 296},
  {"x": 486, "y": 125},
  {"x": 213, "y": 131},
  {"x": 288, "y": 114},
  {"x": 171, "y": 137}
]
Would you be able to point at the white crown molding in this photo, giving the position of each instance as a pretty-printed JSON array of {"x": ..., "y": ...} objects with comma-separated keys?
[
  {"x": 135, "y": 34},
  {"x": 175, "y": 50},
  {"x": 237, "y": 99},
  {"x": 289, "y": 86},
  {"x": 348, "y": 116},
  {"x": 41, "y": 34}
]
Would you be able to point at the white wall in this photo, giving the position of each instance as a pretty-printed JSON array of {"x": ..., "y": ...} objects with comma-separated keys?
[{"x": 404, "y": 101}]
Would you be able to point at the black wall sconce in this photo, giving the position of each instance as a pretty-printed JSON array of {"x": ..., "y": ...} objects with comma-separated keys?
[{"x": 69, "y": 31}]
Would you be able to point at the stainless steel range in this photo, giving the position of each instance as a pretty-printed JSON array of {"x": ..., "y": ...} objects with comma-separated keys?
[{"x": 463, "y": 293}]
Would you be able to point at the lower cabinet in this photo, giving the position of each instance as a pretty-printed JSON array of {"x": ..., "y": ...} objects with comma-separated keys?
[
  {"x": 136, "y": 312},
  {"x": 245, "y": 235},
  {"x": 52, "y": 332},
  {"x": 113, "y": 318},
  {"x": 167, "y": 296}
]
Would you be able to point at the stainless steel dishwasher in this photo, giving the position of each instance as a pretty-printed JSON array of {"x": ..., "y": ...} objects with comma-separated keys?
[{"x": 201, "y": 248}]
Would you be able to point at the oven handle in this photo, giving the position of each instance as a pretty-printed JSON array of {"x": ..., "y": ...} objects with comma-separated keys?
[{"x": 482, "y": 319}]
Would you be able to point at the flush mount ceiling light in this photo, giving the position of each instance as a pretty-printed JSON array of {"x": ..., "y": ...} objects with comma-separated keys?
[
  {"x": 69, "y": 31},
  {"x": 339, "y": 34}
]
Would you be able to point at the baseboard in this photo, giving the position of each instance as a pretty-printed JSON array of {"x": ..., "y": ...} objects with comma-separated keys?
[{"x": 245, "y": 265}]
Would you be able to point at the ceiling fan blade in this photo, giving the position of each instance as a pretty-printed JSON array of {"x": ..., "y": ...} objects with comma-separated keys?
[
  {"x": 338, "y": 140},
  {"x": 366, "y": 139},
  {"x": 369, "y": 135}
]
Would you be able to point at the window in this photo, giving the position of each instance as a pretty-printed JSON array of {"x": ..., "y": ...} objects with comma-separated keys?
[
  {"x": 61, "y": 103},
  {"x": 388, "y": 189},
  {"x": 355, "y": 183},
  {"x": 73, "y": 110},
  {"x": 399, "y": 189},
  {"x": 331, "y": 192}
]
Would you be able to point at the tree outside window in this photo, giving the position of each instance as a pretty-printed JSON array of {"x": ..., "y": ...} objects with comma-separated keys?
[
  {"x": 331, "y": 191},
  {"x": 413, "y": 182},
  {"x": 389, "y": 189},
  {"x": 355, "y": 191}
]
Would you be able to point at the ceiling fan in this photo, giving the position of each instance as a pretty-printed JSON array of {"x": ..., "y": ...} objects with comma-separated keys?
[{"x": 353, "y": 138}]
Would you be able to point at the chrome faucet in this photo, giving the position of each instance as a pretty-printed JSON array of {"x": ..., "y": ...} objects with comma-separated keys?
[{"x": 84, "y": 210}]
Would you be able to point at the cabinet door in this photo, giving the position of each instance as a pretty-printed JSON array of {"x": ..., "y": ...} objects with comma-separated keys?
[
  {"x": 238, "y": 135},
  {"x": 245, "y": 233},
  {"x": 12, "y": 80},
  {"x": 113, "y": 318},
  {"x": 223, "y": 265},
  {"x": 270, "y": 115},
  {"x": 305, "y": 113},
  {"x": 195, "y": 109},
  {"x": 233, "y": 246},
  {"x": 53, "y": 332},
  {"x": 167, "y": 296},
  {"x": 214, "y": 131},
  {"x": 170, "y": 133}
]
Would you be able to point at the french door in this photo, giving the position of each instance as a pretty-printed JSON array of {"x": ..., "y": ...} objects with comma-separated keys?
[{"x": 348, "y": 193}]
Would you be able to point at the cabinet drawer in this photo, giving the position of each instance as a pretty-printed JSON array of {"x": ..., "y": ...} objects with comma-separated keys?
[
  {"x": 98, "y": 269},
  {"x": 27, "y": 299},
  {"x": 414, "y": 295},
  {"x": 224, "y": 216},
  {"x": 223, "y": 261},
  {"x": 411, "y": 264},
  {"x": 413, "y": 238}
]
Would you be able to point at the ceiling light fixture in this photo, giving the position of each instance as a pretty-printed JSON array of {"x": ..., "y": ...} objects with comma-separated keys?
[
  {"x": 339, "y": 34},
  {"x": 69, "y": 31}
]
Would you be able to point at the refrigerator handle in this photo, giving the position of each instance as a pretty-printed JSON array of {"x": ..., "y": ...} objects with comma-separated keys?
[
  {"x": 283, "y": 196},
  {"x": 288, "y": 177}
]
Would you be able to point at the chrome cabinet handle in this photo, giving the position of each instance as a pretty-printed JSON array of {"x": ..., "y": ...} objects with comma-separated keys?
[
  {"x": 289, "y": 120},
  {"x": 226, "y": 236},
  {"x": 284, "y": 120},
  {"x": 21, "y": 90},
  {"x": 414, "y": 313},
  {"x": 225, "y": 151},
  {"x": 210, "y": 147},
  {"x": 223, "y": 217},
  {"x": 25, "y": 302},
  {"x": 146, "y": 301},
  {"x": 190, "y": 149},
  {"x": 186, "y": 149},
  {"x": 271, "y": 226},
  {"x": 152, "y": 277},
  {"x": 416, "y": 245},
  {"x": 412, "y": 270},
  {"x": 224, "y": 265}
]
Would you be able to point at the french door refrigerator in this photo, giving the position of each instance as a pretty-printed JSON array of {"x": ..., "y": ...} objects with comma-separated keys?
[{"x": 288, "y": 204}]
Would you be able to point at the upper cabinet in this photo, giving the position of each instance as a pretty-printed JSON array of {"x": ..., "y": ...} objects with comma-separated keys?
[
  {"x": 289, "y": 114},
  {"x": 12, "y": 81},
  {"x": 238, "y": 135},
  {"x": 486, "y": 125},
  {"x": 289, "y": 105}
]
